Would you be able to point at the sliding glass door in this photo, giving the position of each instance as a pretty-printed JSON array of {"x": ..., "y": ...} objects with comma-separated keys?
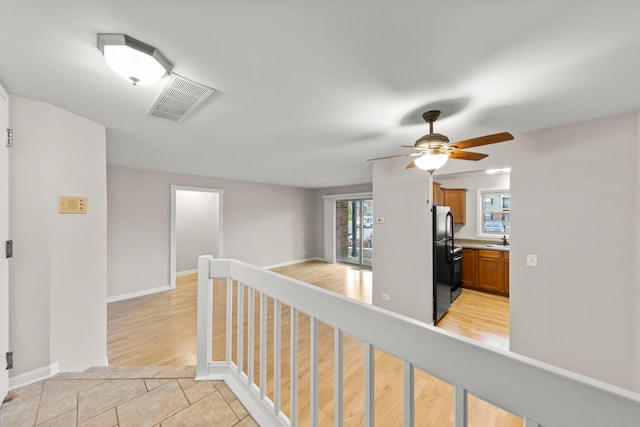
[{"x": 354, "y": 232}]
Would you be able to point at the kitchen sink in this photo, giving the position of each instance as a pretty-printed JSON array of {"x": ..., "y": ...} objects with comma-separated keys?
[{"x": 492, "y": 245}]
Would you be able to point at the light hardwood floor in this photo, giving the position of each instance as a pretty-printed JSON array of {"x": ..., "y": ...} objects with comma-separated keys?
[{"x": 160, "y": 329}]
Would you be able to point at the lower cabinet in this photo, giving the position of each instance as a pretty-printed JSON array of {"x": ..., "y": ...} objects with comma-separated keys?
[
  {"x": 486, "y": 270},
  {"x": 468, "y": 267}
]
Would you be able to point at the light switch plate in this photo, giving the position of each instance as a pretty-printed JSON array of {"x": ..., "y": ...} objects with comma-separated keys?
[
  {"x": 71, "y": 204},
  {"x": 379, "y": 220},
  {"x": 532, "y": 260}
]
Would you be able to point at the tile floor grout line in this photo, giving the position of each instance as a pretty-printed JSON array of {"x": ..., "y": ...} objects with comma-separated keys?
[
  {"x": 114, "y": 379},
  {"x": 117, "y": 415},
  {"x": 101, "y": 413},
  {"x": 209, "y": 388},
  {"x": 184, "y": 394},
  {"x": 188, "y": 401},
  {"x": 180, "y": 410},
  {"x": 35, "y": 422},
  {"x": 77, "y": 408}
]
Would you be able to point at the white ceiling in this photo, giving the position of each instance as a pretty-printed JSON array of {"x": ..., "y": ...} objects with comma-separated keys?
[{"x": 308, "y": 90}]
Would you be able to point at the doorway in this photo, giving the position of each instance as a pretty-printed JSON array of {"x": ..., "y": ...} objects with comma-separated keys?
[
  {"x": 196, "y": 227},
  {"x": 354, "y": 232}
]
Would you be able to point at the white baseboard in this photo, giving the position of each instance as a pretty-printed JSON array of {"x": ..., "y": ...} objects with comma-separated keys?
[
  {"x": 33, "y": 376},
  {"x": 182, "y": 273},
  {"x": 284, "y": 264},
  {"x": 138, "y": 294}
]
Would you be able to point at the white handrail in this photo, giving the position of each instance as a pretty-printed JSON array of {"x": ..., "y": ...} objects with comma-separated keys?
[{"x": 542, "y": 394}]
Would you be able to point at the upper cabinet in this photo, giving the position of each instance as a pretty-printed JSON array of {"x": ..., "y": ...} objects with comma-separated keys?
[
  {"x": 438, "y": 196},
  {"x": 455, "y": 198}
]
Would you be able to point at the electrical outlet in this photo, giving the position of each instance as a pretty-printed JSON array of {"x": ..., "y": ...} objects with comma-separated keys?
[
  {"x": 532, "y": 260},
  {"x": 386, "y": 297}
]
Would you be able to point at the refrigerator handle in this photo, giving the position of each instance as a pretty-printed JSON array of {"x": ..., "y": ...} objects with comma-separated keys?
[{"x": 450, "y": 224}]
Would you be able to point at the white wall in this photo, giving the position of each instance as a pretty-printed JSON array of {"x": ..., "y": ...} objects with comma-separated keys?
[
  {"x": 58, "y": 273},
  {"x": 262, "y": 225},
  {"x": 196, "y": 227},
  {"x": 402, "y": 266},
  {"x": 472, "y": 182},
  {"x": 574, "y": 204}
]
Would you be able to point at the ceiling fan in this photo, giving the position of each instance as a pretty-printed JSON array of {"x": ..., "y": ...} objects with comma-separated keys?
[{"x": 434, "y": 149}]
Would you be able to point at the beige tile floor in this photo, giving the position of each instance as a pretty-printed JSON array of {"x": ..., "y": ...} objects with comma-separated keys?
[{"x": 125, "y": 396}]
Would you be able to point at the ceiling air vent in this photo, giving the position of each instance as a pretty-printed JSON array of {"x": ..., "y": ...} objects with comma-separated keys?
[{"x": 179, "y": 97}]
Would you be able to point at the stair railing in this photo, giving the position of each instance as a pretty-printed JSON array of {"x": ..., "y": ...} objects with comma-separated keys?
[{"x": 543, "y": 395}]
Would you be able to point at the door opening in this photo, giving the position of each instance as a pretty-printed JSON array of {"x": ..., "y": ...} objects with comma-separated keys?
[
  {"x": 196, "y": 227},
  {"x": 354, "y": 232}
]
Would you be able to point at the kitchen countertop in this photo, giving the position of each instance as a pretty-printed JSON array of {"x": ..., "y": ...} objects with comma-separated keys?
[{"x": 494, "y": 245}]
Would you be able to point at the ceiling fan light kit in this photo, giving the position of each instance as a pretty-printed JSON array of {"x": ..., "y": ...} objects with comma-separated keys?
[
  {"x": 431, "y": 161},
  {"x": 132, "y": 59},
  {"x": 434, "y": 149}
]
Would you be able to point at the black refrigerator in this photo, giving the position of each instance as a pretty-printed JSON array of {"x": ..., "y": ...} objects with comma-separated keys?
[{"x": 444, "y": 254}]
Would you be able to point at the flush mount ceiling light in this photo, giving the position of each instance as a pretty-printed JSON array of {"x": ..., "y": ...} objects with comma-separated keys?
[{"x": 132, "y": 59}]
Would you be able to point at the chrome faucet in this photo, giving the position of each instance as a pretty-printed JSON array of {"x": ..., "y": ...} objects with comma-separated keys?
[{"x": 504, "y": 241}]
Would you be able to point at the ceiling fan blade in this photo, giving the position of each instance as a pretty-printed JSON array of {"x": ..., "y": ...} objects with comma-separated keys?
[
  {"x": 467, "y": 155},
  {"x": 411, "y": 165},
  {"x": 397, "y": 155},
  {"x": 413, "y": 146},
  {"x": 482, "y": 140}
]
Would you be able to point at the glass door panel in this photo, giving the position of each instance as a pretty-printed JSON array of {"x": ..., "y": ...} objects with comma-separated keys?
[{"x": 367, "y": 234}]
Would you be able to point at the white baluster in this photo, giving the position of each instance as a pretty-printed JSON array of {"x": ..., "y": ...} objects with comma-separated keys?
[
  {"x": 229, "y": 319},
  {"x": 338, "y": 378},
  {"x": 460, "y": 406},
  {"x": 251, "y": 337},
  {"x": 369, "y": 385},
  {"x": 314, "y": 372},
  {"x": 263, "y": 346},
  {"x": 240, "y": 331},
  {"x": 276, "y": 355},
  {"x": 408, "y": 400},
  {"x": 293, "y": 416}
]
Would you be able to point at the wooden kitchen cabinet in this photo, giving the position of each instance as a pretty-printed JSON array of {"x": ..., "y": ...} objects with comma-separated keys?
[
  {"x": 486, "y": 270},
  {"x": 456, "y": 199},
  {"x": 438, "y": 196},
  {"x": 468, "y": 266},
  {"x": 505, "y": 273},
  {"x": 489, "y": 275}
]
